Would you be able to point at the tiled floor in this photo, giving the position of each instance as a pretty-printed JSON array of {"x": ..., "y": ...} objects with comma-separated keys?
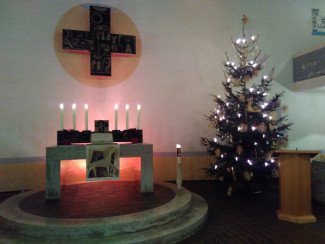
[
  {"x": 250, "y": 218},
  {"x": 97, "y": 199}
]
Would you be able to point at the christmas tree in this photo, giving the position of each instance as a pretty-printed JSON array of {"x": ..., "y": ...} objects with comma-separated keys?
[{"x": 247, "y": 130}]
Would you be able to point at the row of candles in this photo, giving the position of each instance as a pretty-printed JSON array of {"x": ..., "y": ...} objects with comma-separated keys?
[{"x": 74, "y": 106}]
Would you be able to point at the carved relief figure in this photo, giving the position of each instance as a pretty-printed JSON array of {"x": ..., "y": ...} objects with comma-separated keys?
[{"x": 107, "y": 161}]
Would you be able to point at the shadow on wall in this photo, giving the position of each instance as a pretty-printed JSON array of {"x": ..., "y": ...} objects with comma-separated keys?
[
  {"x": 285, "y": 76},
  {"x": 304, "y": 110}
]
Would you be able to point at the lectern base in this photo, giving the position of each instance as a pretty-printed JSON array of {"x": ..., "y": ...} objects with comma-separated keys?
[{"x": 296, "y": 219}]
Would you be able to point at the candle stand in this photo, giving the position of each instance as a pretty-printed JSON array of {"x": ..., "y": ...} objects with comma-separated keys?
[
  {"x": 179, "y": 178},
  {"x": 66, "y": 137}
]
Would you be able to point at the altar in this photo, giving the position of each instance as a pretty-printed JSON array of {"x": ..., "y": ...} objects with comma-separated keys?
[{"x": 55, "y": 154}]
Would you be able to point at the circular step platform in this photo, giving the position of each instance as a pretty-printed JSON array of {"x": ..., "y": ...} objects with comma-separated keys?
[{"x": 170, "y": 222}]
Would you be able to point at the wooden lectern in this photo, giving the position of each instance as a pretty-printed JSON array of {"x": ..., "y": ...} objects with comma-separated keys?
[{"x": 295, "y": 185}]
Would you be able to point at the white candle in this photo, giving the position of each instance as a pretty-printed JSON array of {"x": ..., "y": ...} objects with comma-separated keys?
[
  {"x": 178, "y": 150},
  {"x": 61, "y": 115},
  {"x": 179, "y": 167},
  {"x": 86, "y": 116},
  {"x": 127, "y": 116},
  {"x": 74, "y": 115},
  {"x": 138, "y": 116},
  {"x": 116, "y": 115}
]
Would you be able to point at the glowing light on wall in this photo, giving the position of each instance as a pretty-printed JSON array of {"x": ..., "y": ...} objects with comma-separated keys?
[
  {"x": 74, "y": 171},
  {"x": 77, "y": 66}
]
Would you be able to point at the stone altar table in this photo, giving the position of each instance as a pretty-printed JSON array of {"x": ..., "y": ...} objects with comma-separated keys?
[
  {"x": 295, "y": 185},
  {"x": 57, "y": 153}
]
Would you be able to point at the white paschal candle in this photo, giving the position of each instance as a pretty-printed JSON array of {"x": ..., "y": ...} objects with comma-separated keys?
[
  {"x": 86, "y": 116},
  {"x": 116, "y": 115},
  {"x": 179, "y": 167},
  {"x": 138, "y": 116},
  {"x": 74, "y": 115},
  {"x": 178, "y": 150},
  {"x": 127, "y": 116},
  {"x": 61, "y": 116}
]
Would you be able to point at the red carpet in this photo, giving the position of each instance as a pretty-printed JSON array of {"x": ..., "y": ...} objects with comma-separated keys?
[{"x": 96, "y": 200}]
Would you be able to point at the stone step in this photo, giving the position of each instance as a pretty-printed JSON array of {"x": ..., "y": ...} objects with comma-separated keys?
[
  {"x": 174, "y": 221},
  {"x": 171, "y": 232}
]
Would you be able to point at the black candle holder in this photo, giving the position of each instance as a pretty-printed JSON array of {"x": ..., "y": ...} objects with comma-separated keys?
[{"x": 66, "y": 137}]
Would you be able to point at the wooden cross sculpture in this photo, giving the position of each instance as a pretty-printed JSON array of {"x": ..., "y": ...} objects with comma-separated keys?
[{"x": 99, "y": 41}]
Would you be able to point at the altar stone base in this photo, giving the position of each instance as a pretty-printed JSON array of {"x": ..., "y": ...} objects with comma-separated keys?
[{"x": 57, "y": 153}]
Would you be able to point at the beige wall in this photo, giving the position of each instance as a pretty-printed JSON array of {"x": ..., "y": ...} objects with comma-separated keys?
[{"x": 22, "y": 176}]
